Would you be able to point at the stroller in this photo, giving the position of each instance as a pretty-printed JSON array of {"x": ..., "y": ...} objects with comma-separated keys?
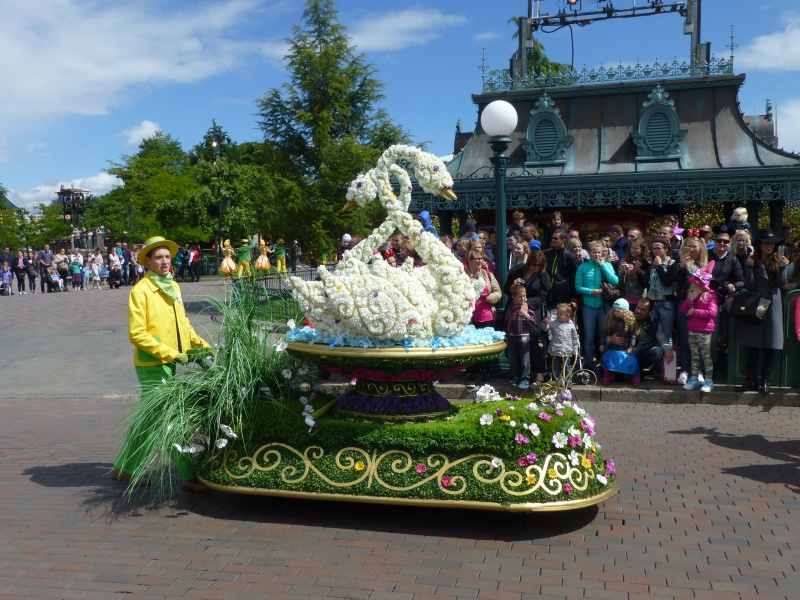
[
  {"x": 5, "y": 289},
  {"x": 53, "y": 280},
  {"x": 572, "y": 369}
]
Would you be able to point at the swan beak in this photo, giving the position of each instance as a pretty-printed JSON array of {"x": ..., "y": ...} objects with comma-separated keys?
[
  {"x": 351, "y": 204},
  {"x": 448, "y": 193}
]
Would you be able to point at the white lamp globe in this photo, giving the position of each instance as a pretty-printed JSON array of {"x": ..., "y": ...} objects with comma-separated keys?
[{"x": 499, "y": 118}]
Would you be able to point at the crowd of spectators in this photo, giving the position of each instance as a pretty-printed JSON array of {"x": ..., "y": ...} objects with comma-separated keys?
[{"x": 629, "y": 302}]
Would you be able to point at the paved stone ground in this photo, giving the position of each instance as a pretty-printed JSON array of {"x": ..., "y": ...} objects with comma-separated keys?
[{"x": 707, "y": 506}]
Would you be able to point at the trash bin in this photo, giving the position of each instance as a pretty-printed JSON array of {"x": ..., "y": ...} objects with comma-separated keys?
[{"x": 790, "y": 363}]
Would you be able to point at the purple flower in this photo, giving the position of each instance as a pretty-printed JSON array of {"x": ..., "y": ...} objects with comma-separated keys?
[
  {"x": 435, "y": 168},
  {"x": 544, "y": 416},
  {"x": 610, "y": 468},
  {"x": 358, "y": 184},
  {"x": 421, "y": 468},
  {"x": 531, "y": 458},
  {"x": 446, "y": 481},
  {"x": 374, "y": 294},
  {"x": 568, "y": 488},
  {"x": 522, "y": 461},
  {"x": 566, "y": 395},
  {"x": 521, "y": 439},
  {"x": 560, "y": 413},
  {"x": 498, "y": 411}
]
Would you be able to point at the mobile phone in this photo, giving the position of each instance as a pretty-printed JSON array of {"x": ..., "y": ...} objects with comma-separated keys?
[
  {"x": 781, "y": 251},
  {"x": 553, "y": 314}
]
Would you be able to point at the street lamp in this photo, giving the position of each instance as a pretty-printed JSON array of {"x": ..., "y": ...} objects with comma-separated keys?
[{"x": 499, "y": 120}]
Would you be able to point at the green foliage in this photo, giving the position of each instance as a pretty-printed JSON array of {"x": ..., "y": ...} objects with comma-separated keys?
[
  {"x": 321, "y": 129},
  {"x": 538, "y": 63}
]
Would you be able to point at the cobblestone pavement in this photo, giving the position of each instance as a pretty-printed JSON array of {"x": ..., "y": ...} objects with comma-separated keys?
[{"x": 707, "y": 508}]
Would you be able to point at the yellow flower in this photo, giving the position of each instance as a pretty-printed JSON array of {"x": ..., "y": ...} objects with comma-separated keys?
[
  {"x": 505, "y": 418},
  {"x": 530, "y": 480},
  {"x": 552, "y": 474},
  {"x": 360, "y": 466},
  {"x": 586, "y": 463}
]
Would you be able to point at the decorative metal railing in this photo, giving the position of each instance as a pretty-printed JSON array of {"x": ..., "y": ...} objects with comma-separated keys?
[{"x": 500, "y": 81}]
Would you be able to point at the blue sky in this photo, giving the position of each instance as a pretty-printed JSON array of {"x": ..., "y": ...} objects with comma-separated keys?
[{"x": 85, "y": 80}]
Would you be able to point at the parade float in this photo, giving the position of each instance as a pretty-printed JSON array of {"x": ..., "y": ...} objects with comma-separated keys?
[{"x": 259, "y": 420}]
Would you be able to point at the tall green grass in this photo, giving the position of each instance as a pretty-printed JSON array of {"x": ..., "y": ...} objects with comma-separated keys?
[{"x": 226, "y": 389}]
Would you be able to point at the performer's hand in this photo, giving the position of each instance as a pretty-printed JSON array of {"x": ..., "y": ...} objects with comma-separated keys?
[{"x": 182, "y": 358}]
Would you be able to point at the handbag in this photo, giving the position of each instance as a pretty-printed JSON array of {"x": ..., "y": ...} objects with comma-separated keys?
[
  {"x": 748, "y": 306},
  {"x": 610, "y": 293}
]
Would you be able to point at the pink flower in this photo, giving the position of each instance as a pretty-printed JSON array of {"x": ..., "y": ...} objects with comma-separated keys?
[
  {"x": 560, "y": 413},
  {"x": 610, "y": 468},
  {"x": 522, "y": 461},
  {"x": 592, "y": 459},
  {"x": 521, "y": 439},
  {"x": 568, "y": 488},
  {"x": 544, "y": 416},
  {"x": 421, "y": 468},
  {"x": 531, "y": 458},
  {"x": 376, "y": 251},
  {"x": 446, "y": 481},
  {"x": 411, "y": 321},
  {"x": 574, "y": 441}
]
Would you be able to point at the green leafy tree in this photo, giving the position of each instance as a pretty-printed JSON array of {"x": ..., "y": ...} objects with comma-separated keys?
[
  {"x": 156, "y": 195},
  {"x": 537, "y": 61},
  {"x": 322, "y": 128},
  {"x": 5, "y": 203}
]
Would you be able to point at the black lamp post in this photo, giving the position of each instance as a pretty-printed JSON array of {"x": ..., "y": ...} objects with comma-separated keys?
[{"x": 499, "y": 120}]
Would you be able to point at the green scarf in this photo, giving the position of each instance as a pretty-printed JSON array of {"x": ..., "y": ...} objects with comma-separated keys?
[{"x": 164, "y": 283}]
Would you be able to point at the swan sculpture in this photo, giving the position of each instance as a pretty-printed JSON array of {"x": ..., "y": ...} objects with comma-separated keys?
[{"x": 366, "y": 298}]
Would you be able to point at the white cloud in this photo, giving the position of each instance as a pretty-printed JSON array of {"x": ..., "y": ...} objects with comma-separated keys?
[
  {"x": 83, "y": 57},
  {"x": 45, "y": 193},
  {"x": 397, "y": 30},
  {"x": 486, "y": 36},
  {"x": 789, "y": 125},
  {"x": 36, "y": 148},
  {"x": 144, "y": 130},
  {"x": 778, "y": 51}
]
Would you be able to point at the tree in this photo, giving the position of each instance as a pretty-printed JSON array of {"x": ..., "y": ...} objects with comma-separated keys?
[
  {"x": 538, "y": 63},
  {"x": 156, "y": 196},
  {"x": 320, "y": 130},
  {"x": 5, "y": 203}
]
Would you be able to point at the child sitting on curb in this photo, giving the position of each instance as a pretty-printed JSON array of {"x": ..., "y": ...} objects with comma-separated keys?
[{"x": 621, "y": 330}]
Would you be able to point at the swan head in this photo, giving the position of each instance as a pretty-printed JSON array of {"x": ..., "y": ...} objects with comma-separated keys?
[{"x": 433, "y": 176}]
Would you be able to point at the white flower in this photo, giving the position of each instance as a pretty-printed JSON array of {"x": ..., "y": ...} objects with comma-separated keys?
[
  {"x": 435, "y": 382},
  {"x": 602, "y": 479},
  {"x": 266, "y": 391},
  {"x": 228, "y": 431},
  {"x": 287, "y": 373},
  {"x": 290, "y": 323},
  {"x": 532, "y": 406},
  {"x": 574, "y": 458},
  {"x": 512, "y": 424},
  {"x": 587, "y": 440},
  {"x": 573, "y": 432},
  {"x": 187, "y": 450},
  {"x": 281, "y": 346},
  {"x": 497, "y": 463},
  {"x": 308, "y": 409},
  {"x": 243, "y": 391},
  {"x": 310, "y": 421},
  {"x": 560, "y": 439},
  {"x": 303, "y": 400},
  {"x": 221, "y": 442},
  {"x": 534, "y": 429},
  {"x": 510, "y": 408},
  {"x": 303, "y": 371},
  {"x": 163, "y": 381},
  {"x": 487, "y": 419}
]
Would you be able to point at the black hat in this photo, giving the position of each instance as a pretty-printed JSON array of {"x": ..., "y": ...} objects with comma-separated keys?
[
  {"x": 766, "y": 235},
  {"x": 721, "y": 229}
]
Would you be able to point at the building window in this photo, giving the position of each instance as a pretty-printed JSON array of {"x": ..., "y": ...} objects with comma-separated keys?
[
  {"x": 659, "y": 136},
  {"x": 546, "y": 141}
]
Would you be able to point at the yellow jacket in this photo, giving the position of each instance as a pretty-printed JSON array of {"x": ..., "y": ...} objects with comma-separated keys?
[{"x": 157, "y": 329}]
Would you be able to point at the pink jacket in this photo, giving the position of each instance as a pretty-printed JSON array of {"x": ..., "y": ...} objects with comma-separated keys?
[
  {"x": 797, "y": 318},
  {"x": 705, "y": 309}
]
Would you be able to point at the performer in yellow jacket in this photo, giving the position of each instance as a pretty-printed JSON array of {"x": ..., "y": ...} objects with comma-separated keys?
[{"x": 162, "y": 336}]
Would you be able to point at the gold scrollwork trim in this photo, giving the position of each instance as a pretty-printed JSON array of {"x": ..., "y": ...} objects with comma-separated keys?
[
  {"x": 398, "y": 351},
  {"x": 394, "y": 388},
  {"x": 549, "y": 476}
]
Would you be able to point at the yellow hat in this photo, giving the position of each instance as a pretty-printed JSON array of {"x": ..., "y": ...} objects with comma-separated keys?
[
  {"x": 154, "y": 242},
  {"x": 280, "y": 240},
  {"x": 262, "y": 243},
  {"x": 227, "y": 244}
]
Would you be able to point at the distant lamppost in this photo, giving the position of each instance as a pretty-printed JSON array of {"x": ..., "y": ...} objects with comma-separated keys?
[{"x": 499, "y": 120}]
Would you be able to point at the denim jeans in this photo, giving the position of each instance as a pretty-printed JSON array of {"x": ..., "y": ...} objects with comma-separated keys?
[
  {"x": 593, "y": 322},
  {"x": 683, "y": 343},
  {"x": 651, "y": 357},
  {"x": 664, "y": 315}
]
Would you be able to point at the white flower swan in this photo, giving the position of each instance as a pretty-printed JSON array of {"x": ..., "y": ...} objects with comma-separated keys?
[{"x": 364, "y": 296}]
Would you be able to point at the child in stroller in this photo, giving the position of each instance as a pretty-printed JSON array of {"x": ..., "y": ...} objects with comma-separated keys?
[
  {"x": 53, "y": 281},
  {"x": 6, "y": 279}
]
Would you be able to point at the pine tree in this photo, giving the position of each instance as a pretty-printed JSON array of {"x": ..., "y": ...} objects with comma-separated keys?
[{"x": 322, "y": 128}]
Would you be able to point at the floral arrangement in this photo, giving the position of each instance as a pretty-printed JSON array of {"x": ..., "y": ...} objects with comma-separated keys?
[{"x": 365, "y": 298}]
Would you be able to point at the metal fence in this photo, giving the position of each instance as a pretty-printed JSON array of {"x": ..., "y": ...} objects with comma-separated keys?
[{"x": 271, "y": 294}]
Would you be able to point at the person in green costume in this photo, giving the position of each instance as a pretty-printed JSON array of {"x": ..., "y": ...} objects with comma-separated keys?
[
  {"x": 280, "y": 256},
  {"x": 243, "y": 256},
  {"x": 162, "y": 337}
]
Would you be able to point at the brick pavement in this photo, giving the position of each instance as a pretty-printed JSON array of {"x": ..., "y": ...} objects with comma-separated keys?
[{"x": 706, "y": 509}]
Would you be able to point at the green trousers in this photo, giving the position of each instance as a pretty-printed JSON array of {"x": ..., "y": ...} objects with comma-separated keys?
[{"x": 136, "y": 449}]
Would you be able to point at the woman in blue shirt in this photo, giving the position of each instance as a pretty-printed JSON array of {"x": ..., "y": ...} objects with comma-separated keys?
[{"x": 588, "y": 281}]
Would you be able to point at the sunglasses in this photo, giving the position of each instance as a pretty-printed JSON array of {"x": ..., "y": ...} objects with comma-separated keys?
[
  {"x": 705, "y": 231},
  {"x": 722, "y": 241}
]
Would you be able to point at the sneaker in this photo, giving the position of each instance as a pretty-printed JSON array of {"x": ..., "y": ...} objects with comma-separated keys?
[
  {"x": 524, "y": 384},
  {"x": 682, "y": 378},
  {"x": 515, "y": 382},
  {"x": 708, "y": 387},
  {"x": 471, "y": 382},
  {"x": 692, "y": 384}
]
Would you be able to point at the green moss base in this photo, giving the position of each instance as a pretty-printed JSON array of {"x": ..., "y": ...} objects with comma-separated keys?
[{"x": 455, "y": 460}]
